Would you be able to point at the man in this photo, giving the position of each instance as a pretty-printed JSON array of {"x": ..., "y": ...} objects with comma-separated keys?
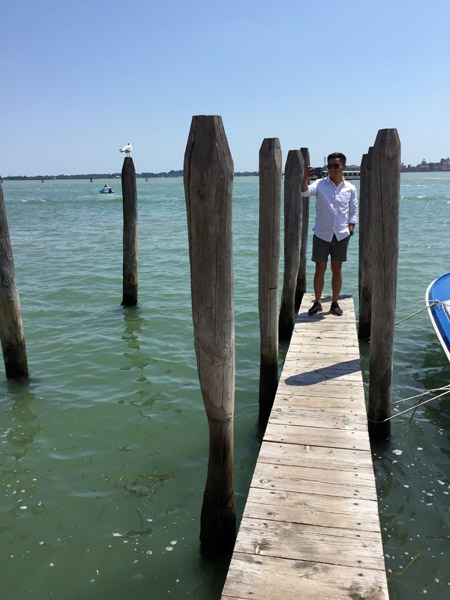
[{"x": 336, "y": 217}]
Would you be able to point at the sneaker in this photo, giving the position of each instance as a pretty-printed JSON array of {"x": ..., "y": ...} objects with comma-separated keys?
[
  {"x": 336, "y": 309},
  {"x": 315, "y": 308}
]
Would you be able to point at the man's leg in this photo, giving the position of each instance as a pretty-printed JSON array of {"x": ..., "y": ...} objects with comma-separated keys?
[
  {"x": 336, "y": 279},
  {"x": 319, "y": 280}
]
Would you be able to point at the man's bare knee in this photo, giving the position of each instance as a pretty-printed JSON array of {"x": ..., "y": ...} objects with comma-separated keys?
[
  {"x": 336, "y": 266},
  {"x": 321, "y": 267}
]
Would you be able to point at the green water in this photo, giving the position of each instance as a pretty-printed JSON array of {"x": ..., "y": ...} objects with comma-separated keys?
[{"x": 103, "y": 453}]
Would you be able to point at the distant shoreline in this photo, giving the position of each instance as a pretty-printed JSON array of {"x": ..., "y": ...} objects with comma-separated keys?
[
  {"x": 106, "y": 176},
  {"x": 166, "y": 174}
]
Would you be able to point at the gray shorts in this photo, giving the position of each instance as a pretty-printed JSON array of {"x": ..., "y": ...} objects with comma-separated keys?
[{"x": 322, "y": 249}]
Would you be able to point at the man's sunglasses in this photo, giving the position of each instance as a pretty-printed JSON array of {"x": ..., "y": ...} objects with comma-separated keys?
[{"x": 334, "y": 166}]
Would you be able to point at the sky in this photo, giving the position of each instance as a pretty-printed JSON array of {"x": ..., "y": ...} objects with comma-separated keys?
[{"x": 81, "y": 79}]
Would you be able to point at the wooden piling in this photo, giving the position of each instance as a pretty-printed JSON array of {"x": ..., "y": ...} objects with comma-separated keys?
[
  {"x": 301, "y": 278},
  {"x": 293, "y": 175},
  {"x": 365, "y": 247},
  {"x": 130, "y": 234},
  {"x": 385, "y": 228},
  {"x": 208, "y": 184},
  {"x": 11, "y": 324},
  {"x": 270, "y": 175}
]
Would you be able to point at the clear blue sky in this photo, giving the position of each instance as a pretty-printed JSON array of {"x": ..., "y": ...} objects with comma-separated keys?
[{"x": 81, "y": 79}]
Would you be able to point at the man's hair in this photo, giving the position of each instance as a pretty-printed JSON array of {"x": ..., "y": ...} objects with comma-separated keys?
[{"x": 339, "y": 155}]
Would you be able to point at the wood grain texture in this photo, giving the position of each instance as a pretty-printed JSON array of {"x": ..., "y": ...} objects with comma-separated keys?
[
  {"x": 208, "y": 184},
  {"x": 301, "y": 277},
  {"x": 11, "y": 325},
  {"x": 386, "y": 166},
  {"x": 130, "y": 233},
  {"x": 293, "y": 175},
  {"x": 270, "y": 178},
  {"x": 310, "y": 527}
]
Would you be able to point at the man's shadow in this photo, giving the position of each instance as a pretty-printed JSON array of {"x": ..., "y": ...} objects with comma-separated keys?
[
  {"x": 331, "y": 371},
  {"x": 322, "y": 374}
]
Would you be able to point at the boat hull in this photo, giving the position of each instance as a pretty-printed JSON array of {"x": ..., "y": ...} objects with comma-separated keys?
[{"x": 438, "y": 301}]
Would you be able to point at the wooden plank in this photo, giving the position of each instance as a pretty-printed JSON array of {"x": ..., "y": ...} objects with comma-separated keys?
[
  {"x": 318, "y": 417},
  {"x": 313, "y": 509},
  {"x": 302, "y": 455},
  {"x": 310, "y": 527},
  {"x": 252, "y": 576},
  {"x": 328, "y": 405},
  {"x": 327, "y": 376},
  {"x": 314, "y": 436},
  {"x": 345, "y": 484},
  {"x": 311, "y": 363},
  {"x": 350, "y": 392},
  {"x": 307, "y": 542}
]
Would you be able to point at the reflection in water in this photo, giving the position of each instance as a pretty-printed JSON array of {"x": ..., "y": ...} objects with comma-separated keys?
[
  {"x": 214, "y": 571},
  {"x": 137, "y": 361},
  {"x": 24, "y": 425},
  {"x": 19, "y": 428}
]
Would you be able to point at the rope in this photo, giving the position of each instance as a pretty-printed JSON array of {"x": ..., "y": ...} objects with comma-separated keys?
[
  {"x": 434, "y": 303},
  {"x": 445, "y": 390}
]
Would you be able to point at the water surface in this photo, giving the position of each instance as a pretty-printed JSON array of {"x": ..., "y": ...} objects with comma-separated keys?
[{"x": 103, "y": 453}]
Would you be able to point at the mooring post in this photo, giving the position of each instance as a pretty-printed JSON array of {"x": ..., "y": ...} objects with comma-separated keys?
[
  {"x": 301, "y": 278},
  {"x": 293, "y": 175},
  {"x": 365, "y": 246},
  {"x": 208, "y": 185},
  {"x": 11, "y": 324},
  {"x": 130, "y": 234},
  {"x": 385, "y": 179},
  {"x": 270, "y": 175}
]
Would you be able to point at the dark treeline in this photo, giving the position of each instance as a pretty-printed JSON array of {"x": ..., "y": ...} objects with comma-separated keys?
[{"x": 108, "y": 176}]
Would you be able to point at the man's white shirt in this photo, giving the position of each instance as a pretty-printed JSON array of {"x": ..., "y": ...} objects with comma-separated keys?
[{"x": 336, "y": 207}]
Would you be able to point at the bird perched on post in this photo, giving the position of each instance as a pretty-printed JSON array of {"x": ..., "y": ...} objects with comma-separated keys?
[{"x": 127, "y": 149}]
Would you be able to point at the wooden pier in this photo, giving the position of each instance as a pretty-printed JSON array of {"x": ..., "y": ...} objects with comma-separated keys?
[{"x": 310, "y": 528}]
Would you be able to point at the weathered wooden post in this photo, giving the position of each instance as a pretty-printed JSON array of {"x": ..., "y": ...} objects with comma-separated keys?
[
  {"x": 301, "y": 278},
  {"x": 365, "y": 246},
  {"x": 130, "y": 234},
  {"x": 269, "y": 269},
  {"x": 293, "y": 175},
  {"x": 11, "y": 325},
  {"x": 385, "y": 226},
  {"x": 208, "y": 184}
]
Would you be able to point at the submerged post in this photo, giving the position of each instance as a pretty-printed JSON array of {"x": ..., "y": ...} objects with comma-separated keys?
[
  {"x": 208, "y": 185},
  {"x": 385, "y": 226},
  {"x": 130, "y": 234},
  {"x": 301, "y": 277},
  {"x": 293, "y": 175},
  {"x": 365, "y": 247},
  {"x": 11, "y": 325},
  {"x": 269, "y": 269}
]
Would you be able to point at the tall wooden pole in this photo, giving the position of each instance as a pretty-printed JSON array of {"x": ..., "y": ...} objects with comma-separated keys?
[
  {"x": 208, "y": 184},
  {"x": 301, "y": 278},
  {"x": 293, "y": 175},
  {"x": 130, "y": 234},
  {"x": 269, "y": 268},
  {"x": 11, "y": 325},
  {"x": 365, "y": 246},
  {"x": 385, "y": 216}
]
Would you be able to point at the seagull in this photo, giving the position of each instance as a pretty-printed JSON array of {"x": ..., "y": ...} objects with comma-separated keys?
[{"x": 127, "y": 149}]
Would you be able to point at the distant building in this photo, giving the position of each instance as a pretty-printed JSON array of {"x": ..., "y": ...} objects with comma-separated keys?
[{"x": 424, "y": 166}]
